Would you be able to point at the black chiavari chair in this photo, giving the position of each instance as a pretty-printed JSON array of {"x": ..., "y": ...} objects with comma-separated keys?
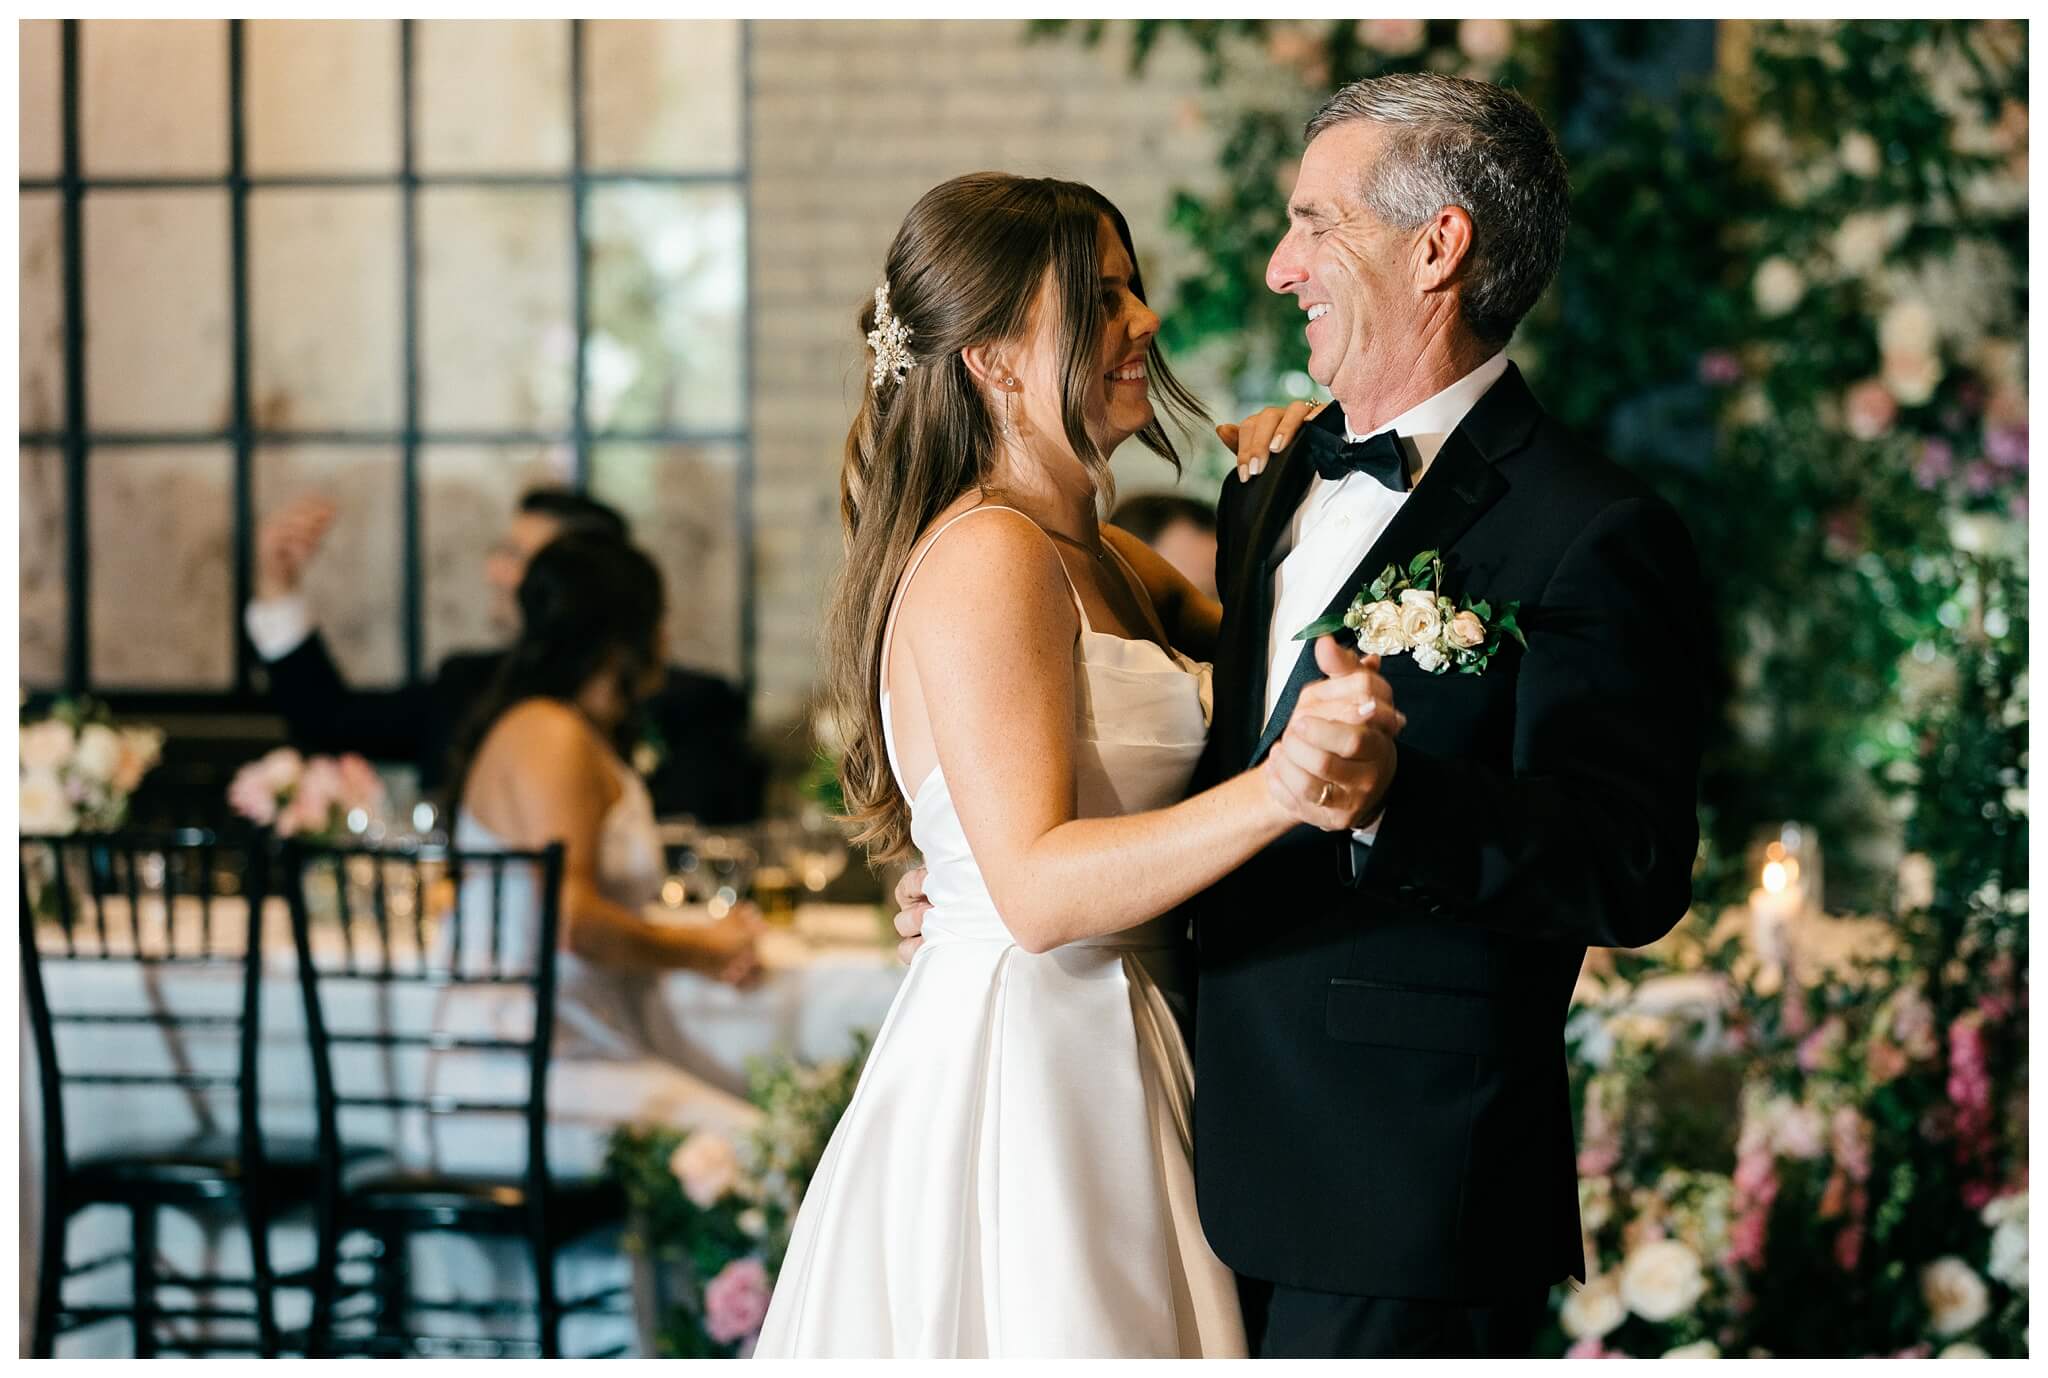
[
  {"x": 377, "y": 931},
  {"x": 162, "y": 908}
]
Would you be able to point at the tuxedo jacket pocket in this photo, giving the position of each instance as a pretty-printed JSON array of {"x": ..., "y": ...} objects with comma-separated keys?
[{"x": 1426, "y": 1018}]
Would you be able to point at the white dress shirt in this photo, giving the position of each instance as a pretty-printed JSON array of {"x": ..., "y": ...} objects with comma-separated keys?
[
  {"x": 277, "y": 625},
  {"x": 1337, "y": 524}
]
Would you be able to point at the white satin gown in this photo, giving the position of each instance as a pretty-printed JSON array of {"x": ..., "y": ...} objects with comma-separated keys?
[{"x": 1013, "y": 1176}]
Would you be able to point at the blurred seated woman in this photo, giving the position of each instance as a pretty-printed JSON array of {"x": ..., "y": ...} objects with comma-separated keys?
[{"x": 536, "y": 765}]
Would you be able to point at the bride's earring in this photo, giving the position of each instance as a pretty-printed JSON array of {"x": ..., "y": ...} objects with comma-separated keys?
[{"x": 1009, "y": 431}]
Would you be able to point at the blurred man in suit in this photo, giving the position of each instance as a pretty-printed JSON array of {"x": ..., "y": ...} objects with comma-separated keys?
[
  {"x": 691, "y": 742},
  {"x": 1181, "y": 529}
]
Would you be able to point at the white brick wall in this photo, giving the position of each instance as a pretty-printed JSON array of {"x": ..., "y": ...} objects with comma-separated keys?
[{"x": 852, "y": 122}]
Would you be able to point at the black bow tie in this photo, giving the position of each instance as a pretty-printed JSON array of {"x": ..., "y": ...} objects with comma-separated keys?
[{"x": 1379, "y": 455}]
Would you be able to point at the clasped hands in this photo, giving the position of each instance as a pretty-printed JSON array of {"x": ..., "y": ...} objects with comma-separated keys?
[
  {"x": 1332, "y": 765},
  {"x": 1330, "y": 768}
]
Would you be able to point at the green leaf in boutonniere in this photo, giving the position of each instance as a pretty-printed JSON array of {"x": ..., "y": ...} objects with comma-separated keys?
[
  {"x": 1322, "y": 626},
  {"x": 1420, "y": 563}
]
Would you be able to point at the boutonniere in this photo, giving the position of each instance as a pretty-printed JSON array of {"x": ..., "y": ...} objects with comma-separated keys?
[{"x": 1408, "y": 613}]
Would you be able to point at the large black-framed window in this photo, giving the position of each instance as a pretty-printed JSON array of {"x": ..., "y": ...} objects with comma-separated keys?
[{"x": 510, "y": 296}]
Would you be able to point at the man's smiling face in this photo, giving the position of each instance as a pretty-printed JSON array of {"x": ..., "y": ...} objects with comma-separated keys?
[{"x": 1350, "y": 272}]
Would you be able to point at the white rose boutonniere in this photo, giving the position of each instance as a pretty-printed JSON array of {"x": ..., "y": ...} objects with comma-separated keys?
[{"x": 1410, "y": 614}]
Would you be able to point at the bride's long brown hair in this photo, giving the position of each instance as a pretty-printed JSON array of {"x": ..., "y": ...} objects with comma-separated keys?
[{"x": 964, "y": 270}]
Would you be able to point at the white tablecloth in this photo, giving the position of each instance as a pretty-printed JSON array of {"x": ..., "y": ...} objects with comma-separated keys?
[{"x": 833, "y": 973}]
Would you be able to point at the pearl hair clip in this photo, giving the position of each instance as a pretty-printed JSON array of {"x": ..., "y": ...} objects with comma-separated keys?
[{"x": 890, "y": 339}]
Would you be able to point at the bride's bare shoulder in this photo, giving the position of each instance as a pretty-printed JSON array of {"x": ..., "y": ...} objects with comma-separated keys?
[{"x": 989, "y": 565}]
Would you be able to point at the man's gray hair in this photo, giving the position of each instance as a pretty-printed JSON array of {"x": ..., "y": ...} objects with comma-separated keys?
[{"x": 1457, "y": 142}]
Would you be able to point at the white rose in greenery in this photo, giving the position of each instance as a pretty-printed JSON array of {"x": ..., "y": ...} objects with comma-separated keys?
[
  {"x": 1594, "y": 1309},
  {"x": 1428, "y": 656},
  {"x": 1381, "y": 634},
  {"x": 1662, "y": 1280},
  {"x": 1421, "y": 621},
  {"x": 1467, "y": 630},
  {"x": 1912, "y": 378},
  {"x": 1907, "y": 327},
  {"x": 1596, "y": 1201},
  {"x": 707, "y": 1166},
  {"x": 753, "y": 1222},
  {"x": 1963, "y": 1349},
  {"x": 1698, "y": 1349},
  {"x": 99, "y": 752},
  {"x": 1861, "y": 154},
  {"x": 1778, "y": 286},
  {"x": 1862, "y": 240},
  {"x": 46, "y": 745},
  {"x": 2007, "y": 1217},
  {"x": 1956, "y": 1297},
  {"x": 45, "y": 808}
]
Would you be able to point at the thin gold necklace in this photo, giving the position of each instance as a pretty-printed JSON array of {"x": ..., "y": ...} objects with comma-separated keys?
[{"x": 1098, "y": 552}]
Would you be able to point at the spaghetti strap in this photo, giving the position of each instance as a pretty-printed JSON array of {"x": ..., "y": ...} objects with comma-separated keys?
[{"x": 903, "y": 586}]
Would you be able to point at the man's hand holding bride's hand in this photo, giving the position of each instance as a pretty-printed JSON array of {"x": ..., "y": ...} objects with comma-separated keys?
[
  {"x": 1264, "y": 434},
  {"x": 911, "y": 906},
  {"x": 1332, "y": 766}
]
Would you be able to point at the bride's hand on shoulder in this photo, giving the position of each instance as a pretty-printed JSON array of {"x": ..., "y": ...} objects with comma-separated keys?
[{"x": 1265, "y": 433}]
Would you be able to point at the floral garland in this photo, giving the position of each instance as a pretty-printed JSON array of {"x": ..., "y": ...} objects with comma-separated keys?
[
  {"x": 712, "y": 1217},
  {"x": 1820, "y": 1156}
]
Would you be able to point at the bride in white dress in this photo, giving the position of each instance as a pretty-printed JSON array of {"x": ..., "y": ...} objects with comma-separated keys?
[{"x": 1012, "y": 1177}]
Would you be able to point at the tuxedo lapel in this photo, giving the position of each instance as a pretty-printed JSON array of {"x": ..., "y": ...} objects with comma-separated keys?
[
  {"x": 1458, "y": 485},
  {"x": 1250, "y": 598}
]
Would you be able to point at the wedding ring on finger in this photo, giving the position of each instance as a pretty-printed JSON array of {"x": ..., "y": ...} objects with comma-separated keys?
[{"x": 1323, "y": 794}]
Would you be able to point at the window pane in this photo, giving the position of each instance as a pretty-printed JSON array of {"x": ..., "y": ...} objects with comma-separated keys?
[
  {"x": 357, "y": 584},
  {"x": 161, "y": 527},
  {"x": 42, "y": 86},
  {"x": 681, "y": 503},
  {"x": 42, "y": 311},
  {"x": 662, "y": 93},
  {"x": 668, "y": 278},
  {"x": 497, "y": 332},
  {"x": 156, "y": 97},
  {"x": 326, "y": 308},
  {"x": 321, "y": 95},
  {"x": 156, "y": 310},
  {"x": 492, "y": 95},
  {"x": 468, "y": 494},
  {"x": 44, "y": 604}
]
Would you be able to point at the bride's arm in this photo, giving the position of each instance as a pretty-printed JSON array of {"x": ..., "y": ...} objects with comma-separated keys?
[
  {"x": 1191, "y": 617},
  {"x": 990, "y": 629}
]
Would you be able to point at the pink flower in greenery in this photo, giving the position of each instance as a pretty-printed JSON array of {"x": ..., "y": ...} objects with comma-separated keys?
[
  {"x": 2006, "y": 446},
  {"x": 1817, "y": 1047},
  {"x": 1937, "y": 461},
  {"x": 736, "y": 1301},
  {"x": 1591, "y": 1348},
  {"x": 1719, "y": 367}
]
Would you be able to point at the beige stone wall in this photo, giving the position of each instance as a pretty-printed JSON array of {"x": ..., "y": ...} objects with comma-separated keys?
[{"x": 852, "y": 122}]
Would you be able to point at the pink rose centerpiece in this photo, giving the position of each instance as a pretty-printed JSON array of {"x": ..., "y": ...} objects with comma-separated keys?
[{"x": 318, "y": 796}]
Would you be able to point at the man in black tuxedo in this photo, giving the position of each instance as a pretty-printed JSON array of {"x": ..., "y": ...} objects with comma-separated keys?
[
  {"x": 695, "y": 728},
  {"x": 1383, "y": 1141}
]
